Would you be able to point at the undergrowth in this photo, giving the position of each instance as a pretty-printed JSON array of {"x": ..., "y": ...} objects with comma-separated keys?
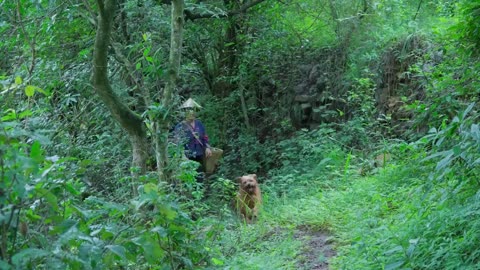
[{"x": 414, "y": 212}]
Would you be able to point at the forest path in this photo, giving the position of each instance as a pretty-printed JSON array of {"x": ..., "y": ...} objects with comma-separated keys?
[{"x": 318, "y": 249}]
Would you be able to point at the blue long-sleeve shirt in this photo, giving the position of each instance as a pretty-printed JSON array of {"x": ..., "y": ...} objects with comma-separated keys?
[{"x": 194, "y": 139}]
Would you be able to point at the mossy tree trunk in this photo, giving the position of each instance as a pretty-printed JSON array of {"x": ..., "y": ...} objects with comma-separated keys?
[
  {"x": 130, "y": 121},
  {"x": 163, "y": 125}
]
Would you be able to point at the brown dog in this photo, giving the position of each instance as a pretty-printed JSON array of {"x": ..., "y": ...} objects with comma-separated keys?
[{"x": 249, "y": 197}]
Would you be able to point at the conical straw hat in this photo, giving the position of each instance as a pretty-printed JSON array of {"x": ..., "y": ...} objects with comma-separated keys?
[{"x": 190, "y": 103}]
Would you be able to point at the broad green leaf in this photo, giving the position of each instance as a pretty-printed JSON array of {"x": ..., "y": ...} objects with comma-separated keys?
[
  {"x": 445, "y": 161},
  {"x": 70, "y": 188},
  {"x": 178, "y": 229},
  {"x": 49, "y": 197},
  {"x": 159, "y": 71},
  {"x": 476, "y": 161},
  {"x": 32, "y": 215},
  {"x": 65, "y": 228},
  {"x": 393, "y": 250},
  {"x": 138, "y": 66},
  {"x": 438, "y": 154},
  {"x": 73, "y": 261},
  {"x": 118, "y": 250},
  {"x": 467, "y": 110},
  {"x": 25, "y": 113},
  {"x": 475, "y": 131},
  {"x": 4, "y": 265},
  {"x": 168, "y": 212},
  {"x": 18, "y": 80},
  {"x": 84, "y": 52},
  {"x": 146, "y": 51},
  {"x": 47, "y": 170},
  {"x": 30, "y": 90},
  {"x": 5, "y": 216},
  {"x": 151, "y": 249},
  {"x": 86, "y": 251},
  {"x": 160, "y": 230},
  {"x": 150, "y": 187},
  {"x": 411, "y": 247},
  {"x": 106, "y": 234},
  {"x": 36, "y": 152},
  {"x": 394, "y": 265},
  {"x": 40, "y": 90},
  {"x": 457, "y": 150},
  {"x": 19, "y": 188},
  {"x": 11, "y": 114},
  {"x": 29, "y": 254},
  {"x": 216, "y": 261}
]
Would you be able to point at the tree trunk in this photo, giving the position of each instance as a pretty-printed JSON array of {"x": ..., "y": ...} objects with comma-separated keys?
[
  {"x": 130, "y": 121},
  {"x": 244, "y": 105},
  {"x": 162, "y": 126}
]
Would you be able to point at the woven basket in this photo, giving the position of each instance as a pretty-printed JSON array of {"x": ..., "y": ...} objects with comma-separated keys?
[{"x": 212, "y": 161}]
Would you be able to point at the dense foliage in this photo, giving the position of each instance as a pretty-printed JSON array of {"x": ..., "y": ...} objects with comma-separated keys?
[{"x": 360, "y": 118}]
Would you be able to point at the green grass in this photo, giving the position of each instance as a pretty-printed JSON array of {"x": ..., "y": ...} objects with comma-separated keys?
[
  {"x": 259, "y": 246},
  {"x": 392, "y": 219}
]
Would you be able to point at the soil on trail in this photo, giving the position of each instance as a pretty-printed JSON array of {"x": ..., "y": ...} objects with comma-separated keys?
[{"x": 318, "y": 249}]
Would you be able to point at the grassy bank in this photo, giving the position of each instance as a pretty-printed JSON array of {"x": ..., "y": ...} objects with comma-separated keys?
[{"x": 395, "y": 217}]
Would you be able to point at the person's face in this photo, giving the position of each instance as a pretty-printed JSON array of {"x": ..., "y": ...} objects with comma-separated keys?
[{"x": 190, "y": 115}]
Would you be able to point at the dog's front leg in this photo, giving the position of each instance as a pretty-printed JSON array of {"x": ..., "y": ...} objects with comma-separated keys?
[{"x": 255, "y": 213}]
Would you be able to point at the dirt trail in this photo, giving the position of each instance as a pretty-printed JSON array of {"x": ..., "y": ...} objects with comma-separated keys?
[{"x": 318, "y": 249}]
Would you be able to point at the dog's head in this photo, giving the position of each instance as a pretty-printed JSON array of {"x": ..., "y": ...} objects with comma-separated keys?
[{"x": 248, "y": 183}]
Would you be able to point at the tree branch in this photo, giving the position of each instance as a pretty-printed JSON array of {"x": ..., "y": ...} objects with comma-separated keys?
[
  {"x": 418, "y": 9},
  {"x": 128, "y": 119},
  {"x": 195, "y": 16}
]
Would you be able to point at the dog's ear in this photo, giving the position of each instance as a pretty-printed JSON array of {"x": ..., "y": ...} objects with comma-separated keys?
[
  {"x": 254, "y": 176},
  {"x": 239, "y": 179}
]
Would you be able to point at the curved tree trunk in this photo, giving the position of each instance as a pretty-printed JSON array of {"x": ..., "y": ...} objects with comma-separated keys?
[
  {"x": 130, "y": 121},
  {"x": 163, "y": 125}
]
